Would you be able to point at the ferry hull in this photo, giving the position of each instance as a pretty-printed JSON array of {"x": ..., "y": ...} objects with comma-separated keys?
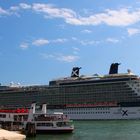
[{"x": 54, "y": 131}]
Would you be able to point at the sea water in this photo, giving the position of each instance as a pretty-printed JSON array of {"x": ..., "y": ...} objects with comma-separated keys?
[{"x": 98, "y": 130}]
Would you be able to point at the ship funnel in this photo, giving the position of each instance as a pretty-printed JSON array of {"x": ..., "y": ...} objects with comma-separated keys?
[
  {"x": 75, "y": 72},
  {"x": 44, "y": 108},
  {"x": 114, "y": 68}
]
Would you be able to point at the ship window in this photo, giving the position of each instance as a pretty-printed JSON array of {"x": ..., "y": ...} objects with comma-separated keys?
[{"x": 2, "y": 116}]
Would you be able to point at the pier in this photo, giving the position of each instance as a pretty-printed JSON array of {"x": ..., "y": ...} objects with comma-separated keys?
[
  {"x": 9, "y": 135},
  {"x": 30, "y": 129}
]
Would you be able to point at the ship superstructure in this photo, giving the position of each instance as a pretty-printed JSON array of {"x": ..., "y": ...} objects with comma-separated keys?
[{"x": 112, "y": 96}]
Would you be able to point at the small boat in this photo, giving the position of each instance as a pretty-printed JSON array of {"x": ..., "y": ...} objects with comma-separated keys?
[
  {"x": 18, "y": 120},
  {"x": 49, "y": 123}
]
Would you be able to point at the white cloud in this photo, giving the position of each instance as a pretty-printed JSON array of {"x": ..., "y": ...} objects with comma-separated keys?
[
  {"x": 121, "y": 17},
  {"x": 74, "y": 38},
  {"x": 85, "y": 42},
  {"x": 40, "y": 42},
  {"x": 61, "y": 57},
  {"x": 53, "y": 11},
  {"x": 88, "y": 42},
  {"x": 117, "y": 17},
  {"x": 24, "y": 6},
  {"x": 59, "y": 40},
  {"x": 75, "y": 21},
  {"x": 86, "y": 31},
  {"x": 24, "y": 45},
  {"x": 67, "y": 58},
  {"x": 112, "y": 40},
  {"x": 76, "y": 50},
  {"x": 94, "y": 42},
  {"x": 14, "y": 8},
  {"x": 3, "y": 12},
  {"x": 133, "y": 31},
  {"x": 47, "y": 56}
]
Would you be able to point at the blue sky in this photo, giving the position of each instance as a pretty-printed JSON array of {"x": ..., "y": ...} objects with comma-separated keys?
[{"x": 42, "y": 40}]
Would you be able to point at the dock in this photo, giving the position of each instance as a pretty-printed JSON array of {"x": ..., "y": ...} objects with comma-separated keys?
[{"x": 9, "y": 135}]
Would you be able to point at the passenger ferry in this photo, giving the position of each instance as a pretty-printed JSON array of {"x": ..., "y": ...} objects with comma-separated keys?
[
  {"x": 96, "y": 97},
  {"x": 49, "y": 123},
  {"x": 17, "y": 120}
]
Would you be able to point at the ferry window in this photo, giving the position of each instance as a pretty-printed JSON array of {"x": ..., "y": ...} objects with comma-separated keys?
[
  {"x": 2, "y": 116},
  {"x": 44, "y": 124}
]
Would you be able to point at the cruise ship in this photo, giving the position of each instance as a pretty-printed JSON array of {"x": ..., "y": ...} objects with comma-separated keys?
[{"x": 109, "y": 97}]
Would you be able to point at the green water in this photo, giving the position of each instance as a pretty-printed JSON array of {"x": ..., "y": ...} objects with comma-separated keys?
[{"x": 98, "y": 130}]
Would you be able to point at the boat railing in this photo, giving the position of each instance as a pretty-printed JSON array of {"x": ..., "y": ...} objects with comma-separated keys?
[
  {"x": 51, "y": 118},
  {"x": 64, "y": 124}
]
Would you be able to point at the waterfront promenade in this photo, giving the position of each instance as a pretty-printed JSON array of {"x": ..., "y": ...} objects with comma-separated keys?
[{"x": 8, "y": 135}]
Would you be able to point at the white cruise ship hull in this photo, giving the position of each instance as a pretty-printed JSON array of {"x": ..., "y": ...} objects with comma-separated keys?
[{"x": 101, "y": 113}]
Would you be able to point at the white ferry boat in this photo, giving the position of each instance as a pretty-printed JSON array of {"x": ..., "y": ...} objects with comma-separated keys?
[
  {"x": 17, "y": 120},
  {"x": 49, "y": 123}
]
